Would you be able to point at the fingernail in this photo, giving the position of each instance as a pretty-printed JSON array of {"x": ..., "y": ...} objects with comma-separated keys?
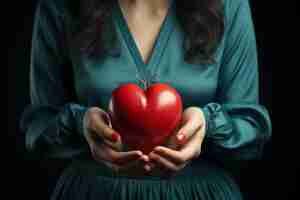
[
  {"x": 147, "y": 168},
  {"x": 157, "y": 149},
  {"x": 181, "y": 138},
  {"x": 115, "y": 137},
  {"x": 145, "y": 158}
]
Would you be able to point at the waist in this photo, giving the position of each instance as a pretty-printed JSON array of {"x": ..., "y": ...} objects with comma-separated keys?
[{"x": 196, "y": 168}]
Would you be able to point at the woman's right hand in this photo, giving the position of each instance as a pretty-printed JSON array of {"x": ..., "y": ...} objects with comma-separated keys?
[{"x": 106, "y": 145}]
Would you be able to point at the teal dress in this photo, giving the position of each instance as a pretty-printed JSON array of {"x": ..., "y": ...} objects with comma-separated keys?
[{"x": 65, "y": 83}]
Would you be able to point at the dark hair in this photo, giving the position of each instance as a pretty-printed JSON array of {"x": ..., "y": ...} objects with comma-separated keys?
[{"x": 202, "y": 22}]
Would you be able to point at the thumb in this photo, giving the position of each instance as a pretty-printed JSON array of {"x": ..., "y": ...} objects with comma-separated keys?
[
  {"x": 190, "y": 125},
  {"x": 101, "y": 126}
]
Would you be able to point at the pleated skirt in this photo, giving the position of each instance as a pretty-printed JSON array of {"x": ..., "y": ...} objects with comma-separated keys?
[{"x": 200, "y": 180}]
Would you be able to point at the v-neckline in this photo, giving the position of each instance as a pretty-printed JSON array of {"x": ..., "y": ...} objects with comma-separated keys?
[{"x": 159, "y": 43}]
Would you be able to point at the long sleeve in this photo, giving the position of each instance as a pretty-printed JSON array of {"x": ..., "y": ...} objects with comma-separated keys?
[
  {"x": 53, "y": 121},
  {"x": 237, "y": 125}
]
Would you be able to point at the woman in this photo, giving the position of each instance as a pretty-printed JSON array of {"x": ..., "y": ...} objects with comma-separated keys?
[{"x": 83, "y": 50}]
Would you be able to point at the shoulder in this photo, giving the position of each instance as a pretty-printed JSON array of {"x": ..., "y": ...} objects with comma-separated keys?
[
  {"x": 232, "y": 8},
  {"x": 237, "y": 13}
]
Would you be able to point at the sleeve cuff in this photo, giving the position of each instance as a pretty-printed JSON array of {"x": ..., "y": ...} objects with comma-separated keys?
[
  {"x": 218, "y": 122},
  {"x": 71, "y": 119},
  {"x": 79, "y": 112}
]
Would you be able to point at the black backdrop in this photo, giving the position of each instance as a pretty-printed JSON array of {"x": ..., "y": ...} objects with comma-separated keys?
[{"x": 37, "y": 178}]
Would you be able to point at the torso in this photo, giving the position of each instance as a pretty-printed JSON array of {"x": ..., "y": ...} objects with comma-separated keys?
[
  {"x": 154, "y": 47},
  {"x": 140, "y": 58}
]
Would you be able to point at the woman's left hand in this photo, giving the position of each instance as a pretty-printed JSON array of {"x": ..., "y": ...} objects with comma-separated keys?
[{"x": 182, "y": 147}]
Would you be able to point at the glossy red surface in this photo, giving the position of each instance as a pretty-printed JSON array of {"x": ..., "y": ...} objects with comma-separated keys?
[{"x": 145, "y": 118}]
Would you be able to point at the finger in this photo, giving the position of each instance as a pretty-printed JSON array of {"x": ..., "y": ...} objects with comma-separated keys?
[
  {"x": 193, "y": 148},
  {"x": 118, "y": 157},
  {"x": 107, "y": 120},
  {"x": 114, "y": 145},
  {"x": 98, "y": 157},
  {"x": 101, "y": 128},
  {"x": 97, "y": 140},
  {"x": 165, "y": 163},
  {"x": 145, "y": 158},
  {"x": 190, "y": 125},
  {"x": 176, "y": 156},
  {"x": 131, "y": 168},
  {"x": 124, "y": 157},
  {"x": 114, "y": 166},
  {"x": 171, "y": 141},
  {"x": 155, "y": 169},
  {"x": 149, "y": 166}
]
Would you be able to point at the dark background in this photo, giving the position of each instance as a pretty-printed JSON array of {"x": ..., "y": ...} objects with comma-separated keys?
[{"x": 37, "y": 178}]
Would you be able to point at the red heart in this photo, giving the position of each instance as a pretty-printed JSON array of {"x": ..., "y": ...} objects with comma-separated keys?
[{"x": 145, "y": 118}]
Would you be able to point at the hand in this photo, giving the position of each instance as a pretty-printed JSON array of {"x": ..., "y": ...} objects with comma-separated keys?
[
  {"x": 183, "y": 146},
  {"x": 105, "y": 143}
]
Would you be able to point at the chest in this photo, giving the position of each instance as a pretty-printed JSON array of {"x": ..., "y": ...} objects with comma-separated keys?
[
  {"x": 144, "y": 31},
  {"x": 156, "y": 59}
]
